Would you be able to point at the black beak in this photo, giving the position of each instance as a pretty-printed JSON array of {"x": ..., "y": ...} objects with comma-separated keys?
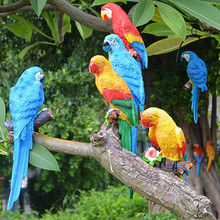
[
  {"x": 42, "y": 79},
  {"x": 105, "y": 44}
]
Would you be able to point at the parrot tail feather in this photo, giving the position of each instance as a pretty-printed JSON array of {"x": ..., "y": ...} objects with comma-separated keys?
[
  {"x": 134, "y": 140},
  {"x": 195, "y": 101},
  {"x": 19, "y": 162},
  {"x": 131, "y": 194},
  {"x": 198, "y": 168},
  {"x": 209, "y": 165}
]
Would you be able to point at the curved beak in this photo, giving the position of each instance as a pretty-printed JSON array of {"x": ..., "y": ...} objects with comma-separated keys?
[
  {"x": 145, "y": 122},
  {"x": 93, "y": 69},
  {"x": 42, "y": 80},
  {"x": 104, "y": 16},
  {"x": 106, "y": 46}
]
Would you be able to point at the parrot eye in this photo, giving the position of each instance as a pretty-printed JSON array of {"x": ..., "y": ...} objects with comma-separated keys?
[
  {"x": 151, "y": 116},
  {"x": 114, "y": 41},
  {"x": 100, "y": 62}
]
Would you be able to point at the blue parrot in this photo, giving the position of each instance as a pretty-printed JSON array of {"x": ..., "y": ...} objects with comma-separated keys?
[
  {"x": 128, "y": 69},
  {"x": 197, "y": 72},
  {"x": 25, "y": 98}
]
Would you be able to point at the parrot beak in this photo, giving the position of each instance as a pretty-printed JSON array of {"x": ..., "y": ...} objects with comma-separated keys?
[
  {"x": 104, "y": 16},
  {"x": 93, "y": 69},
  {"x": 145, "y": 122},
  {"x": 106, "y": 46},
  {"x": 42, "y": 80}
]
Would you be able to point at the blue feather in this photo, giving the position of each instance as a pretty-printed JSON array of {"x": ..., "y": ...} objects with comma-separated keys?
[
  {"x": 128, "y": 69},
  {"x": 141, "y": 50},
  {"x": 24, "y": 101},
  {"x": 197, "y": 72},
  {"x": 198, "y": 163}
]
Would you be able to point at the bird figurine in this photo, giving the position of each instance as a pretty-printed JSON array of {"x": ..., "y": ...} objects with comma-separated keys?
[
  {"x": 115, "y": 90},
  {"x": 129, "y": 70},
  {"x": 124, "y": 28},
  {"x": 197, "y": 72},
  {"x": 164, "y": 133},
  {"x": 25, "y": 98},
  {"x": 198, "y": 153},
  {"x": 210, "y": 152}
]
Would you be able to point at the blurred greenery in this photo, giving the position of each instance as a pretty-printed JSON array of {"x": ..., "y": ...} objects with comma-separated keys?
[{"x": 110, "y": 204}]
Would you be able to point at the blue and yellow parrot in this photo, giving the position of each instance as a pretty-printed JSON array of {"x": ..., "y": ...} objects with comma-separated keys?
[
  {"x": 25, "y": 98},
  {"x": 197, "y": 72},
  {"x": 129, "y": 70}
]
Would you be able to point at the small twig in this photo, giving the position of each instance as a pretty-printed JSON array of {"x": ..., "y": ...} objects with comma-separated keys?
[
  {"x": 14, "y": 6},
  {"x": 43, "y": 117}
]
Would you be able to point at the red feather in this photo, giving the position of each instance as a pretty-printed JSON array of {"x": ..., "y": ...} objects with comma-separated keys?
[{"x": 111, "y": 94}]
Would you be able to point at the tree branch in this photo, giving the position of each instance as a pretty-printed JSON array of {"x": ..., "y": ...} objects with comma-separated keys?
[
  {"x": 82, "y": 17},
  {"x": 14, "y": 6},
  {"x": 26, "y": 9},
  {"x": 152, "y": 183}
]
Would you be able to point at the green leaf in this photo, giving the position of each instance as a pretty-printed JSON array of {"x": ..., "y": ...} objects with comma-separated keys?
[
  {"x": 168, "y": 45},
  {"x": 173, "y": 19},
  {"x": 48, "y": 18},
  {"x": 84, "y": 31},
  {"x": 42, "y": 158},
  {"x": 143, "y": 12},
  {"x": 22, "y": 20},
  {"x": 216, "y": 2},
  {"x": 66, "y": 24},
  {"x": 158, "y": 29},
  {"x": 26, "y": 49},
  {"x": 20, "y": 30},
  {"x": 38, "y": 6},
  {"x": 2, "y": 118},
  {"x": 3, "y": 150},
  {"x": 157, "y": 18},
  {"x": 103, "y": 2},
  {"x": 201, "y": 10}
]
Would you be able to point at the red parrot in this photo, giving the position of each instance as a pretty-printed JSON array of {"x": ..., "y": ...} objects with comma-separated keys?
[
  {"x": 198, "y": 153},
  {"x": 124, "y": 28},
  {"x": 210, "y": 152}
]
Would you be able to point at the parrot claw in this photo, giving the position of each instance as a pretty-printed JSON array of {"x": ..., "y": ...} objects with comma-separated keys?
[
  {"x": 108, "y": 123},
  {"x": 107, "y": 116}
]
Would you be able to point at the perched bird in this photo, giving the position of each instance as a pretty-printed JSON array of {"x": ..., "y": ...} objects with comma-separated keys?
[
  {"x": 198, "y": 153},
  {"x": 197, "y": 72},
  {"x": 25, "y": 98},
  {"x": 124, "y": 28},
  {"x": 129, "y": 70},
  {"x": 210, "y": 152},
  {"x": 164, "y": 133},
  {"x": 115, "y": 90}
]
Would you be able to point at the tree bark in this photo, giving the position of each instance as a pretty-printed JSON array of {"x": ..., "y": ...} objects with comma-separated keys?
[{"x": 152, "y": 183}]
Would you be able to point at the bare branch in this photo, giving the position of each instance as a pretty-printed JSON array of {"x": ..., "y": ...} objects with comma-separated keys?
[
  {"x": 43, "y": 117},
  {"x": 82, "y": 17},
  {"x": 14, "y": 6},
  {"x": 26, "y": 9}
]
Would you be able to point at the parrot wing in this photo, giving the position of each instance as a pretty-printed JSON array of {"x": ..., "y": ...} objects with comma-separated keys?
[
  {"x": 129, "y": 69},
  {"x": 197, "y": 72},
  {"x": 181, "y": 141},
  {"x": 24, "y": 103}
]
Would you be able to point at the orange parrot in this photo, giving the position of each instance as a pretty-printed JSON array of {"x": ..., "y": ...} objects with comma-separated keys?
[{"x": 210, "y": 152}]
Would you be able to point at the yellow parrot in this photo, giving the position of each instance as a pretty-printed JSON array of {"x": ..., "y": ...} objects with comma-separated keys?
[
  {"x": 165, "y": 134},
  {"x": 210, "y": 152}
]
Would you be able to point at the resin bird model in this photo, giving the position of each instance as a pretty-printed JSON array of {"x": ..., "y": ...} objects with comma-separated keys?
[
  {"x": 129, "y": 70},
  {"x": 25, "y": 98},
  {"x": 197, "y": 72},
  {"x": 210, "y": 152},
  {"x": 198, "y": 153},
  {"x": 115, "y": 90},
  {"x": 124, "y": 28},
  {"x": 164, "y": 133}
]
